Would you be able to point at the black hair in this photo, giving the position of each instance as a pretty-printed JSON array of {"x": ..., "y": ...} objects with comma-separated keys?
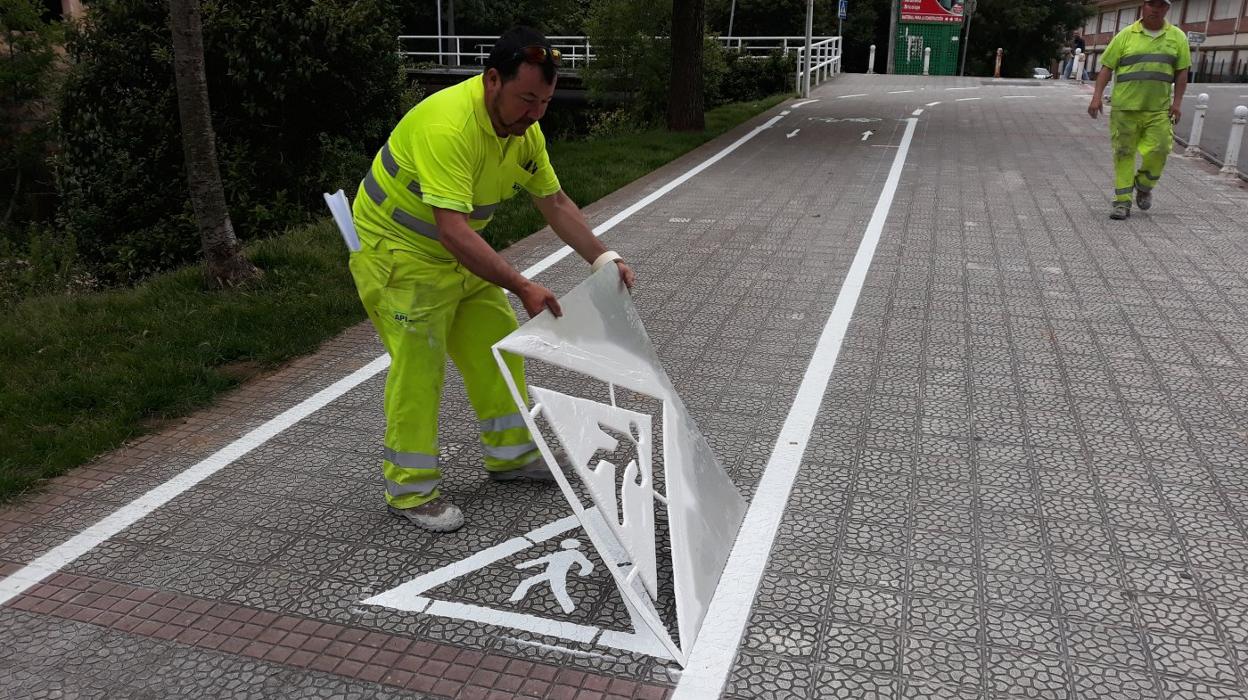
[{"x": 507, "y": 54}]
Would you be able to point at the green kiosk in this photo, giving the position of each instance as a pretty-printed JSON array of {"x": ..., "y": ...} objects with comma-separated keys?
[{"x": 924, "y": 24}]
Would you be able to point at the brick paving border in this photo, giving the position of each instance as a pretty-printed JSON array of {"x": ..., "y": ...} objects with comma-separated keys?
[{"x": 360, "y": 654}]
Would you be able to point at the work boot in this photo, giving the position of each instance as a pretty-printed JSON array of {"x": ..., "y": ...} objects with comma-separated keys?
[
  {"x": 533, "y": 471},
  {"x": 1121, "y": 211},
  {"x": 1144, "y": 198},
  {"x": 438, "y": 515}
]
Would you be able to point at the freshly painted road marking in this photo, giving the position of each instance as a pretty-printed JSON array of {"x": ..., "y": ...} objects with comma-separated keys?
[
  {"x": 963, "y": 88},
  {"x": 1020, "y": 97},
  {"x": 804, "y": 102},
  {"x": 867, "y": 134},
  {"x": 792, "y": 133},
  {"x": 932, "y": 104},
  {"x": 63, "y": 554},
  {"x": 410, "y": 597},
  {"x": 900, "y": 92},
  {"x": 845, "y": 97},
  {"x": 917, "y": 112},
  {"x": 968, "y": 99},
  {"x": 715, "y": 650}
]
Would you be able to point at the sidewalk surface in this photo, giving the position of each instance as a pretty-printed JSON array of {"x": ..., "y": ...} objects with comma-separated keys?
[{"x": 1028, "y": 477}]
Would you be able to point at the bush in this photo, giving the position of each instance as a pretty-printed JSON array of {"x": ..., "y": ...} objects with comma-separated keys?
[
  {"x": 633, "y": 62},
  {"x": 748, "y": 78},
  {"x": 28, "y": 81},
  {"x": 302, "y": 94}
]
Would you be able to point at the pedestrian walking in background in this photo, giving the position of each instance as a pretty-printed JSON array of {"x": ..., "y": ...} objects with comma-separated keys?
[{"x": 1149, "y": 62}]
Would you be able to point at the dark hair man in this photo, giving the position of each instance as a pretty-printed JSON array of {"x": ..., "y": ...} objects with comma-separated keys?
[{"x": 432, "y": 285}]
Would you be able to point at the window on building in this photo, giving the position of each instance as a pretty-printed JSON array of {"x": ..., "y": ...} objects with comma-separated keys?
[
  {"x": 1197, "y": 10},
  {"x": 1107, "y": 21},
  {"x": 1176, "y": 12},
  {"x": 1127, "y": 16},
  {"x": 1226, "y": 9}
]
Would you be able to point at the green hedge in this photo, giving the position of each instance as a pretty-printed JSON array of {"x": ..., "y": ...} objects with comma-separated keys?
[{"x": 300, "y": 91}]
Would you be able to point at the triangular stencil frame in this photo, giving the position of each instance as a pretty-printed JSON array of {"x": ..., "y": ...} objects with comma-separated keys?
[{"x": 600, "y": 335}]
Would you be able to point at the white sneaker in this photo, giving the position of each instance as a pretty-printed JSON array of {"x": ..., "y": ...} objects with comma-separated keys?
[{"x": 438, "y": 515}]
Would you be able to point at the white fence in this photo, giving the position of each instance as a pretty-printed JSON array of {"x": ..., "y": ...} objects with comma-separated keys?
[
  {"x": 824, "y": 63},
  {"x": 469, "y": 50}
]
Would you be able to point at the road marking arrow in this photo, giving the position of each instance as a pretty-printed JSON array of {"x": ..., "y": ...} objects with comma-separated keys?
[
  {"x": 867, "y": 134},
  {"x": 791, "y": 134}
]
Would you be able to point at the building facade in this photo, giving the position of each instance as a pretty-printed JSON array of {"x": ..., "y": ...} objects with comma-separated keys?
[{"x": 1224, "y": 54}]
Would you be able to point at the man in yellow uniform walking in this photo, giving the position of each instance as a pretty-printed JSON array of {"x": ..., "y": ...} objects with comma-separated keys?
[
  {"x": 1145, "y": 60},
  {"x": 433, "y": 286}
]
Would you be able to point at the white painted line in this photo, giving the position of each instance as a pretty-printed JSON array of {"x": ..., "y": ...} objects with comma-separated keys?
[
  {"x": 900, "y": 92},
  {"x": 58, "y": 557},
  {"x": 529, "y": 623},
  {"x": 644, "y": 202},
  {"x": 931, "y": 104},
  {"x": 963, "y": 88},
  {"x": 845, "y": 97},
  {"x": 785, "y": 113},
  {"x": 792, "y": 133},
  {"x": 917, "y": 112},
  {"x": 715, "y": 650},
  {"x": 968, "y": 99},
  {"x": 804, "y": 102},
  {"x": 1021, "y": 97},
  {"x": 55, "y": 559}
]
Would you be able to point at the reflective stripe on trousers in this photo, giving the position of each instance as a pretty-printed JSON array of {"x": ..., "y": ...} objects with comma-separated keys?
[
  {"x": 424, "y": 309},
  {"x": 1146, "y": 134}
]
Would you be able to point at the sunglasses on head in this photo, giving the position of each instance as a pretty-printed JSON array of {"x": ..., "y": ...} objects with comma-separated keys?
[{"x": 539, "y": 54}]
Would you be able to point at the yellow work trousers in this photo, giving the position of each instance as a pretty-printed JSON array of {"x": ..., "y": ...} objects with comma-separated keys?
[
  {"x": 1148, "y": 134},
  {"x": 425, "y": 307}
]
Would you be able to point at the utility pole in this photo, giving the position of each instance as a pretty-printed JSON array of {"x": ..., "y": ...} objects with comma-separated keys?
[
  {"x": 810, "y": 31},
  {"x": 732, "y": 14},
  {"x": 892, "y": 36},
  {"x": 969, "y": 10}
]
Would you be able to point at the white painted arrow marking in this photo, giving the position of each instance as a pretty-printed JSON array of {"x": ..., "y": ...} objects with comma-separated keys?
[
  {"x": 918, "y": 111},
  {"x": 867, "y": 134},
  {"x": 792, "y": 133}
]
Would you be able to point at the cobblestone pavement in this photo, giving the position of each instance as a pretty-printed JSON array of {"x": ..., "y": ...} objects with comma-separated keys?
[{"x": 1028, "y": 477}]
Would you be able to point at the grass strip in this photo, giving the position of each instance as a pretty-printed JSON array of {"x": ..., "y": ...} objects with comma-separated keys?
[{"x": 81, "y": 375}]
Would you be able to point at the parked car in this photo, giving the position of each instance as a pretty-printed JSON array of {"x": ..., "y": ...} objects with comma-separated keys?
[{"x": 1041, "y": 73}]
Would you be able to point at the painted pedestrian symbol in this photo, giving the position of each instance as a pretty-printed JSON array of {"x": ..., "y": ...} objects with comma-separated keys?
[{"x": 558, "y": 566}]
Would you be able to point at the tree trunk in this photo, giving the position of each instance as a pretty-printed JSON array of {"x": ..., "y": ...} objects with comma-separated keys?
[
  {"x": 684, "y": 105},
  {"x": 223, "y": 256}
]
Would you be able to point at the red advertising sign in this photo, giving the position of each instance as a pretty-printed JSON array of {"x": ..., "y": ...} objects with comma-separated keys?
[{"x": 931, "y": 10}]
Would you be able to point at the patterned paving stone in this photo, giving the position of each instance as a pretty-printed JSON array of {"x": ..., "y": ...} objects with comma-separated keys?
[{"x": 1026, "y": 481}]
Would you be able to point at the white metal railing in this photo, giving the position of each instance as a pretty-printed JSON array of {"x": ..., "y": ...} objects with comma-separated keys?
[
  {"x": 825, "y": 63},
  {"x": 472, "y": 50}
]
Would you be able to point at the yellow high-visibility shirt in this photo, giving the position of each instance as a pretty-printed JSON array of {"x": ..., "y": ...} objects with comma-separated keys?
[
  {"x": 444, "y": 153},
  {"x": 1144, "y": 66}
]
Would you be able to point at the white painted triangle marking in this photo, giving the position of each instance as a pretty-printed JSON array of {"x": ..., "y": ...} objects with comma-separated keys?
[{"x": 410, "y": 597}]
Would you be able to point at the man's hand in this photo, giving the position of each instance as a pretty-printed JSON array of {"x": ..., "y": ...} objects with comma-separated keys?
[
  {"x": 1176, "y": 113},
  {"x": 537, "y": 298},
  {"x": 626, "y": 274},
  {"x": 1095, "y": 107}
]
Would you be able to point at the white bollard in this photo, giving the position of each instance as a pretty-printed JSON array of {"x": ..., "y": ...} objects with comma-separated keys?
[
  {"x": 927, "y": 58},
  {"x": 871, "y": 61},
  {"x": 1077, "y": 69},
  {"x": 1231, "y": 164},
  {"x": 1198, "y": 125}
]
